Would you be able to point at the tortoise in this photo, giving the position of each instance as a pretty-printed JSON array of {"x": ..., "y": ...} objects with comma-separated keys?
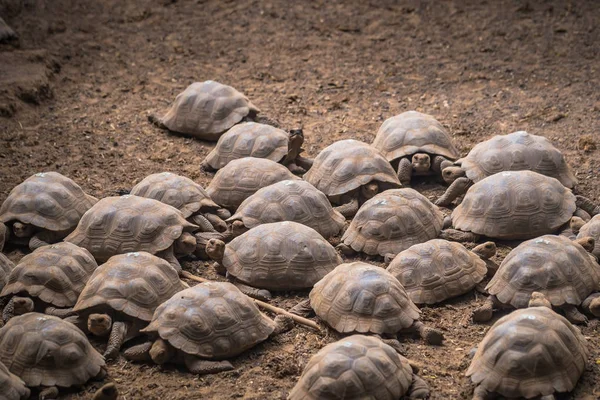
[
  {"x": 44, "y": 209},
  {"x": 241, "y": 178},
  {"x": 416, "y": 144},
  {"x": 514, "y": 205},
  {"x": 590, "y": 228},
  {"x": 122, "y": 294},
  {"x": 350, "y": 172},
  {"x": 362, "y": 298},
  {"x": 13, "y": 388},
  {"x": 204, "y": 325},
  {"x": 277, "y": 256},
  {"x": 530, "y": 353},
  {"x": 517, "y": 151},
  {"x": 118, "y": 225},
  {"x": 290, "y": 200},
  {"x": 359, "y": 367},
  {"x": 185, "y": 195},
  {"x": 205, "y": 110},
  {"x": 560, "y": 269},
  {"x": 391, "y": 222},
  {"x": 252, "y": 139},
  {"x": 438, "y": 270},
  {"x": 49, "y": 280},
  {"x": 47, "y": 352}
]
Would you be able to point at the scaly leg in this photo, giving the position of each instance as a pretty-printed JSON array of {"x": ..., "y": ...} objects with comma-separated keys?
[
  {"x": 202, "y": 367},
  {"x": 587, "y": 205},
  {"x": 574, "y": 315},
  {"x": 140, "y": 352},
  {"x": 304, "y": 163},
  {"x": 202, "y": 222},
  {"x": 60, "y": 312},
  {"x": 430, "y": 335},
  {"x": 486, "y": 311},
  {"x": 9, "y": 311},
  {"x": 457, "y": 188},
  {"x": 303, "y": 309},
  {"x": 481, "y": 393},
  {"x": 35, "y": 243},
  {"x": 419, "y": 388},
  {"x": 405, "y": 170},
  {"x": 218, "y": 224},
  {"x": 107, "y": 392},
  {"x": 49, "y": 393},
  {"x": 260, "y": 294},
  {"x": 592, "y": 304},
  {"x": 116, "y": 339},
  {"x": 438, "y": 163},
  {"x": 345, "y": 249},
  {"x": 458, "y": 236},
  {"x": 349, "y": 209}
]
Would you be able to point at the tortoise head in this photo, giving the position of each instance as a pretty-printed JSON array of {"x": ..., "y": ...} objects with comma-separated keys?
[
  {"x": 295, "y": 143},
  {"x": 99, "y": 324},
  {"x": 587, "y": 242},
  {"x": 421, "y": 162},
  {"x": 369, "y": 190},
  {"x": 576, "y": 223},
  {"x": 486, "y": 250},
  {"x": 539, "y": 300},
  {"x": 215, "y": 249},
  {"x": 22, "y": 305},
  {"x": 450, "y": 174},
  {"x": 22, "y": 230},
  {"x": 161, "y": 352},
  {"x": 185, "y": 244}
]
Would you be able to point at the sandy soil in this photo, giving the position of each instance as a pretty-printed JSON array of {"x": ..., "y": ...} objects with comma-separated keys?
[{"x": 76, "y": 88}]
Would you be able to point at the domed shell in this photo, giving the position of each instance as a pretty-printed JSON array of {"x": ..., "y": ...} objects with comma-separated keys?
[
  {"x": 437, "y": 270},
  {"x": 241, "y": 178},
  {"x": 529, "y": 353},
  {"x": 514, "y": 205},
  {"x": 393, "y": 221},
  {"x": 360, "y": 367},
  {"x": 207, "y": 109},
  {"x": 592, "y": 228},
  {"x": 13, "y": 388},
  {"x": 360, "y": 297},
  {"x": 280, "y": 256},
  {"x": 516, "y": 152},
  {"x": 46, "y": 200},
  {"x": 118, "y": 225},
  {"x": 46, "y": 351},
  {"x": 297, "y": 201},
  {"x": 553, "y": 265},
  {"x": 6, "y": 266},
  {"x": 212, "y": 320},
  {"x": 134, "y": 284},
  {"x": 347, "y": 165},
  {"x": 249, "y": 139},
  {"x": 413, "y": 132},
  {"x": 177, "y": 191},
  {"x": 56, "y": 274}
]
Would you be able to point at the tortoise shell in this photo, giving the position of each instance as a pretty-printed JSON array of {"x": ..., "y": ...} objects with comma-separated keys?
[
  {"x": 592, "y": 228},
  {"x": 241, "y": 178},
  {"x": 13, "y": 388},
  {"x": 553, "y": 265},
  {"x": 207, "y": 109},
  {"x": 392, "y": 221},
  {"x": 347, "y": 165},
  {"x": 280, "y": 256},
  {"x": 437, "y": 270},
  {"x": 118, "y": 225},
  {"x": 47, "y": 200},
  {"x": 360, "y": 297},
  {"x": 212, "y": 320},
  {"x": 529, "y": 353},
  {"x": 297, "y": 201},
  {"x": 56, "y": 274},
  {"x": 249, "y": 139},
  {"x": 359, "y": 367},
  {"x": 177, "y": 191},
  {"x": 514, "y": 205},
  {"x": 46, "y": 351},
  {"x": 133, "y": 284},
  {"x": 413, "y": 132},
  {"x": 516, "y": 152},
  {"x": 6, "y": 266}
]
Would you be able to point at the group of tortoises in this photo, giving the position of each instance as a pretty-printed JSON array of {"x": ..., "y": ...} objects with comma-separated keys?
[{"x": 111, "y": 268}]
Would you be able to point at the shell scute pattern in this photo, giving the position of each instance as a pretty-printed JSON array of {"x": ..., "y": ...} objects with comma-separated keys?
[
  {"x": 359, "y": 297},
  {"x": 393, "y": 221},
  {"x": 437, "y": 270},
  {"x": 358, "y": 366},
  {"x": 288, "y": 200},
  {"x": 56, "y": 274},
  {"x": 6, "y": 266},
  {"x": 133, "y": 284},
  {"x": 212, "y": 320},
  {"x": 515, "y": 152},
  {"x": 514, "y": 205},
  {"x": 69, "y": 358},
  {"x": 46, "y": 200},
  {"x": 553, "y": 265},
  {"x": 529, "y": 353},
  {"x": 280, "y": 256},
  {"x": 348, "y": 164},
  {"x": 13, "y": 388},
  {"x": 592, "y": 229}
]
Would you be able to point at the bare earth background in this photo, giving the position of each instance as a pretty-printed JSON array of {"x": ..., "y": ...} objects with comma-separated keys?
[{"x": 76, "y": 89}]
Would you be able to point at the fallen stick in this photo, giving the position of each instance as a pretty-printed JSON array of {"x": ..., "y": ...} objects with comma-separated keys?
[{"x": 262, "y": 304}]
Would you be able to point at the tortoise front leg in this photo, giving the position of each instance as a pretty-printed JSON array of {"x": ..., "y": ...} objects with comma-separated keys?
[
  {"x": 202, "y": 222},
  {"x": 117, "y": 336},
  {"x": 217, "y": 223},
  {"x": 592, "y": 304},
  {"x": 35, "y": 243},
  {"x": 419, "y": 389},
  {"x": 345, "y": 249},
  {"x": 4, "y": 232},
  {"x": 458, "y": 236},
  {"x": 581, "y": 213},
  {"x": 294, "y": 168},
  {"x": 60, "y": 312},
  {"x": 304, "y": 162},
  {"x": 481, "y": 393},
  {"x": 260, "y": 294},
  {"x": 303, "y": 309},
  {"x": 107, "y": 392},
  {"x": 405, "y": 170},
  {"x": 587, "y": 205},
  {"x": 49, "y": 393},
  {"x": 486, "y": 311},
  {"x": 168, "y": 256},
  {"x": 9, "y": 311},
  {"x": 429, "y": 334},
  {"x": 349, "y": 209},
  {"x": 140, "y": 352},
  {"x": 574, "y": 315},
  {"x": 438, "y": 163},
  {"x": 78, "y": 321},
  {"x": 457, "y": 188},
  {"x": 199, "y": 366}
]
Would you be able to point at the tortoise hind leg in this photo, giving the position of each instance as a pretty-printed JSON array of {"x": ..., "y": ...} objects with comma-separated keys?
[
  {"x": 303, "y": 309},
  {"x": 35, "y": 243},
  {"x": 259, "y": 294},
  {"x": 345, "y": 249},
  {"x": 49, "y": 393},
  {"x": 419, "y": 389},
  {"x": 592, "y": 304},
  {"x": 458, "y": 236},
  {"x": 60, "y": 312},
  {"x": 202, "y": 367},
  {"x": 486, "y": 311},
  {"x": 429, "y": 334},
  {"x": 574, "y": 315},
  {"x": 140, "y": 352},
  {"x": 587, "y": 205},
  {"x": 117, "y": 336},
  {"x": 405, "y": 170}
]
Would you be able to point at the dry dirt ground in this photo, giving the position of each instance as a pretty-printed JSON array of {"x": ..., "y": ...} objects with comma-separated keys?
[{"x": 75, "y": 90}]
